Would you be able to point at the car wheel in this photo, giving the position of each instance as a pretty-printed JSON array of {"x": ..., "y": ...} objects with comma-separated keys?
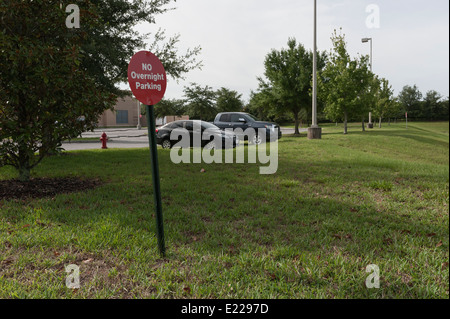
[
  {"x": 166, "y": 144},
  {"x": 256, "y": 139}
]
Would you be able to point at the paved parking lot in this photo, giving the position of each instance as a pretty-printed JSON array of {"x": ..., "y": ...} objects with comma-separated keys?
[{"x": 124, "y": 138}]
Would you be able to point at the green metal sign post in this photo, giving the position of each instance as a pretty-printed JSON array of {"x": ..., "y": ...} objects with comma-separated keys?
[
  {"x": 155, "y": 174},
  {"x": 147, "y": 80}
]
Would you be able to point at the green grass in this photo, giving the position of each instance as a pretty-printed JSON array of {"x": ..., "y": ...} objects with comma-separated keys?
[{"x": 309, "y": 231}]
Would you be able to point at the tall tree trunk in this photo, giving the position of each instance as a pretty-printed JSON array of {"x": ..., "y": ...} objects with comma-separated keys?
[
  {"x": 24, "y": 174},
  {"x": 345, "y": 122},
  {"x": 24, "y": 166},
  {"x": 379, "y": 123},
  {"x": 363, "y": 125},
  {"x": 24, "y": 160},
  {"x": 297, "y": 132}
]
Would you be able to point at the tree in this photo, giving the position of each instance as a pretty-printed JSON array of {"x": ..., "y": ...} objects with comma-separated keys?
[
  {"x": 410, "y": 98},
  {"x": 431, "y": 105},
  {"x": 44, "y": 93},
  {"x": 228, "y": 101},
  {"x": 385, "y": 102},
  {"x": 367, "y": 98},
  {"x": 394, "y": 110},
  {"x": 200, "y": 102},
  {"x": 113, "y": 40},
  {"x": 55, "y": 82},
  {"x": 262, "y": 104},
  {"x": 288, "y": 78},
  {"x": 344, "y": 84},
  {"x": 167, "y": 107},
  {"x": 444, "y": 110}
]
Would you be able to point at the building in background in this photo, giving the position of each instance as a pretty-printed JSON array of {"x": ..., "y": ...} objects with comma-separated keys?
[
  {"x": 126, "y": 112},
  {"x": 170, "y": 118}
]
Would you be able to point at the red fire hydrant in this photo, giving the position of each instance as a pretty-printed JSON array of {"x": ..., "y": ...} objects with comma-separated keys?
[{"x": 104, "y": 138}]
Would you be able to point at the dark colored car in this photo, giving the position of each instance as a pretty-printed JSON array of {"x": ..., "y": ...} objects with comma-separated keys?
[
  {"x": 244, "y": 121},
  {"x": 192, "y": 133}
]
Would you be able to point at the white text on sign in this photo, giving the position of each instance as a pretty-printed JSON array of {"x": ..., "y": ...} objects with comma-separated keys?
[{"x": 145, "y": 76}]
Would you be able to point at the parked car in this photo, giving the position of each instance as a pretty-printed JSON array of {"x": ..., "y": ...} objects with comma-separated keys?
[
  {"x": 244, "y": 121},
  {"x": 205, "y": 133}
]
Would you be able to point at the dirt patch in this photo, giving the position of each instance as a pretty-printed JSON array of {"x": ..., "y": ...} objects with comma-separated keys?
[{"x": 44, "y": 187}]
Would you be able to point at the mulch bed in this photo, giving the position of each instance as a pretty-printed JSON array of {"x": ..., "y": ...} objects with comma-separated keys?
[{"x": 44, "y": 187}]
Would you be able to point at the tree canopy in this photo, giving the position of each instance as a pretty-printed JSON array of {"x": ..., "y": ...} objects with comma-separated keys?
[
  {"x": 228, "y": 101},
  {"x": 56, "y": 81},
  {"x": 432, "y": 106},
  {"x": 346, "y": 84},
  {"x": 288, "y": 79},
  {"x": 203, "y": 102}
]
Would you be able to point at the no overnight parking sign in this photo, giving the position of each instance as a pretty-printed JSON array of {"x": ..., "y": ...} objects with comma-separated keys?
[{"x": 147, "y": 78}]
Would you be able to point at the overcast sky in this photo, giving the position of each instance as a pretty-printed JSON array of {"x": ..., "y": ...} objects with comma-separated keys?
[{"x": 410, "y": 44}]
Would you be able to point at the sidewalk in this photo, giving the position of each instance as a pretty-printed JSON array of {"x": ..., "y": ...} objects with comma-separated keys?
[{"x": 124, "y": 138}]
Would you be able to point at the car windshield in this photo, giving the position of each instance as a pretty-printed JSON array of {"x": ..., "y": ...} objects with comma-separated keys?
[
  {"x": 253, "y": 117},
  {"x": 207, "y": 125},
  {"x": 173, "y": 125}
]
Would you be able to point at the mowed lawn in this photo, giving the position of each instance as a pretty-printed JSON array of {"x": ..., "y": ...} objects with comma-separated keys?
[{"x": 334, "y": 207}]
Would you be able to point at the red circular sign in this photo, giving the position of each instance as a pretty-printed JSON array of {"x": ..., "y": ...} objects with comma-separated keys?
[{"x": 147, "y": 78}]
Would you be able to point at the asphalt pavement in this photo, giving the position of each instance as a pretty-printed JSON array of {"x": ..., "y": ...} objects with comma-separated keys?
[{"x": 123, "y": 138}]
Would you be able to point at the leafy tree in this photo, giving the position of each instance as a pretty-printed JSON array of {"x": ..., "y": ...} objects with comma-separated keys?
[
  {"x": 288, "y": 78},
  {"x": 410, "y": 98},
  {"x": 44, "y": 93},
  {"x": 444, "y": 110},
  {"x": 263, "y": 103},
  {"x": 56, "y": 81},
  {"x": 394, "y": 110},
  {"x": 113, "y": 40},
  {"x": 228, "y": 101},
  {"x": 367, "y": 98},
  {"x": 431, "y": 105},
  {"x": 384, "y": 100},
  {"x": 344, "y": 84},
  {"x": 200, "y": 102},
  {"x": 167, "y": 107}
]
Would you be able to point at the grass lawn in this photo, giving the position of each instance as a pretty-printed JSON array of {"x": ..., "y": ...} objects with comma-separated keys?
[{"x": 334, "y": 207}]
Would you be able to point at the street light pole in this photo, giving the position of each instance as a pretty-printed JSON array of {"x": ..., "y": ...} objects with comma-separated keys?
[
  {"x": 314, "y": 132},
  {"x": 139, "y": 115},
  {"x": 314, "y": 101},
  {"x": 365, "y": 40}
]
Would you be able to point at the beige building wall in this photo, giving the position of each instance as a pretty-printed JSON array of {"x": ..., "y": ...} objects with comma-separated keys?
[
  {"x": 126, "y": 113},
  {"x": 171, "y": 118}
]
